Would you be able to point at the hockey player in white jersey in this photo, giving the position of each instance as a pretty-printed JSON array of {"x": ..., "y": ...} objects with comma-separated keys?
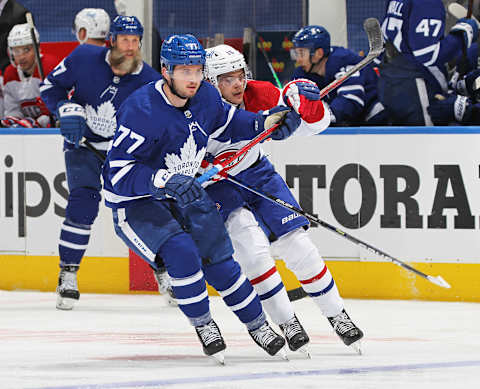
[
  {"x": 227, "y": 70},
  {"x": 102, "y": 79},
  {"x": 91, "y": 26},
  {"x": 21, "y": 81},
  {"x": 161, "y": 210}
]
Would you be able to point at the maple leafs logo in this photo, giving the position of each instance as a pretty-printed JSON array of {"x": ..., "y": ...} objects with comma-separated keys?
[
  {"x": 189, "y": 160},
  {"x": 102, "y": 121}
]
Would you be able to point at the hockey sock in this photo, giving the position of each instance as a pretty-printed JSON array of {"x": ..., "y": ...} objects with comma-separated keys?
[{"x": 73, "y": 242}]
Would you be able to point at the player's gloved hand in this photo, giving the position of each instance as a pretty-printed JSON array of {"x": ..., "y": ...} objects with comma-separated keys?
[
  {"x": 184, "y": 189},
  {"x": 15, "y": 122},
  {"x": 454, "y": 108},
  {"x": 289, "y": 121},
  {"x": 304, "y": 97},
  {"x": 468, "y": 29},
  {"x": 469, "y": 85},
  {"x": 73, "y": 122}
]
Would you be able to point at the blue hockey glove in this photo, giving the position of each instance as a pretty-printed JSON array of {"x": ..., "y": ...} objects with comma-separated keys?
[
  {"x": 73, "y": 122},
  {"x": 468, "y": 29},
  {"x": 453, "y": 108},
  {"x": 469, "y": 85},
  {"x": 184, "y": 189},
  {"x": 290, "y": 120}
]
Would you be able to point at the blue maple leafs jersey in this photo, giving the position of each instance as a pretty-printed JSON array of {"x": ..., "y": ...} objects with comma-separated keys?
[
  {"x": 152, "y": 134},
  {"x": 87, "y": 70},
  {"x": 356, "y": 96},
  {"x": 416, "y": 28}
]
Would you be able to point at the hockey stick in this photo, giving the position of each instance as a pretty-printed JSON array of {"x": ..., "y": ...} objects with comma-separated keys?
[
  {"x": 28, "y": 15},
  {"x": 265, "y": 55},
  {"x": 375, "y": 41},
  {"x": 438, "y": 280}
]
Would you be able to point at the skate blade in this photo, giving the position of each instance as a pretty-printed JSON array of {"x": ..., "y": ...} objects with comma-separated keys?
[
  {"x": 219, "y": 358},
  {"x": 357, "y": 346},
  {"x": 282, "y": 353},
  {"x": 65, "y": 304},
  {"x": 304, "y": 350}
]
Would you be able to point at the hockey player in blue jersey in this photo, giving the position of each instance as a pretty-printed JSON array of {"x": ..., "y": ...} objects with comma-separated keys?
[
  {"x": 159, "y": 208},
  {"x": 355, "y": 102},
  {"x": 416, "y": 50},
  {"x": 101, "y": 78}
]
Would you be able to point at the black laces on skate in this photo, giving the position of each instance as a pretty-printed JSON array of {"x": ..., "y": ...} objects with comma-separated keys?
[
  {"x": 209, "y": 333},
  {"x": 342, "y": 323}
]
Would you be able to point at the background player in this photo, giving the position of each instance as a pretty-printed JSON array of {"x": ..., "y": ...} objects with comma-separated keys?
[
  {"x": 227, "y": 70},
  {"x": 102, "y": 78},
  {"x": 355, "y": 102},
  {"x": 160, "y": 209},
  {"x": 91, "y": 26},
  {"x": 22, "y": 104},
  {"x": 416, "y": 51}
]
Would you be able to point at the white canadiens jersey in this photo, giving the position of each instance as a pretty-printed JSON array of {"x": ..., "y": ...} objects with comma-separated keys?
[{"x": 259, "y": 95}]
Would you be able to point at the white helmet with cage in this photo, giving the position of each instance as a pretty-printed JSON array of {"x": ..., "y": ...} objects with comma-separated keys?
[
  {"x": 223, "y": 59},
  {"x": 20, "y": 35},
  {"x": 95, "y": 21}
]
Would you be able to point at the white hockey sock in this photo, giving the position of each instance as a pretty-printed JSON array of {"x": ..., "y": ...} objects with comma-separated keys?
[{"x": 302, "y": 258}]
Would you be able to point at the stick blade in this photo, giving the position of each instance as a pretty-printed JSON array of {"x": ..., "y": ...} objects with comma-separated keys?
[
  {"x": 438, "y": 280},
  {"x": 374, "y": 34},
  {"x": 458, "y": 11}
]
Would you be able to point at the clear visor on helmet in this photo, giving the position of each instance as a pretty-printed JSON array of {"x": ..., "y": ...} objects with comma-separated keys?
[
  {"x": 187, "y": 73},
  {"x": 230, "y": 80},
  {"x": 299, "y": 53},
  {"x": 20, "y": 50}
]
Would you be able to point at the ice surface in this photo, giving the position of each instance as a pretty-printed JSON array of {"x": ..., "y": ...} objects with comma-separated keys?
[{"x": 137, "y": 341}]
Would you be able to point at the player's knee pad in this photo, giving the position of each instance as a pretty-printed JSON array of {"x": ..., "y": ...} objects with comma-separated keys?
[
  {"x": 299, "y": 253},
  {"x": 180, "y": 255},
  {"x": 83, "y": 204},
  {"x": 252, "y": 249}
]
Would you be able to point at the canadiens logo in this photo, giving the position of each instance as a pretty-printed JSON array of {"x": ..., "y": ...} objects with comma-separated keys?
[{"x": 223, "y": 156}]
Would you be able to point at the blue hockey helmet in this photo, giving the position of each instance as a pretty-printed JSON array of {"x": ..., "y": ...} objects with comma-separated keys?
[
  {"x": 181, "y": 50},
  {"x": 312, "y": 37},
  {"x": 127, "y": 25}
]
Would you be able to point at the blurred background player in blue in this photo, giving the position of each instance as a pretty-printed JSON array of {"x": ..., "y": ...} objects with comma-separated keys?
[
  {"x": 413, "y": 69},
  {"x": 355, "y": 102},
  {"x": 91, "y": 26},
  {"x": 161, "y": 210},
  {"x": 102, "y": 78}
]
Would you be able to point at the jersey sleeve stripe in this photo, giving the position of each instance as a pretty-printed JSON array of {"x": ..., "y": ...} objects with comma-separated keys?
[
  {"x": 229, "y": 119},
  {"x": 119, "y": 175}
]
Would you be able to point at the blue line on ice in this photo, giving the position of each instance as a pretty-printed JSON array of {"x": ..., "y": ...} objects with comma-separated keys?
[{"x": 273, "y": 375}]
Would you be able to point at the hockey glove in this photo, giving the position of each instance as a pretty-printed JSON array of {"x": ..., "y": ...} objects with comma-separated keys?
[
  {"x": 467, "y": 29},
  {"x": 304, "y": 97},
  {"x": 184, "y": 189},
  {"x": 453, "y": 108},
  {"x": 72, "y": 121},
  {"x": 289, "y": 121},
  {"x": 470, "y": 85}
]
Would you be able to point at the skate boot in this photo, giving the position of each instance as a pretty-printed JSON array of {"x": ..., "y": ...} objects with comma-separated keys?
[
  {"x": 165, "y": 286},
  {"x": 268, "y": 339},
  {"x": 212, "y": 341},
  {"x": 295, "y": 335},
  {"x": 347, "y": 330},
  {"x": 67, "y": 289}
]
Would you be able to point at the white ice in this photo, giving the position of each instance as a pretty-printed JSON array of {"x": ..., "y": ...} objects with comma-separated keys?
[{"x": 138, "y": 341}]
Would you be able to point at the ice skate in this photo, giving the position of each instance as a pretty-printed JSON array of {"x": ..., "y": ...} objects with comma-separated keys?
[
  {"x": 347, "y": 330},
  {"x": 165, "y": 286},
  {"x": 296, "y": 336},
  {"x": 212, "y": 341},
  {"x": 269, "y": 340},
  {"x": 67, "y": 289}
]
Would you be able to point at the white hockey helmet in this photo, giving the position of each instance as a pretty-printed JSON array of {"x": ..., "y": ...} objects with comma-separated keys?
[
  {"x": 95, "y": 21},
  {"x": 20, "y": 35},
  {"x": 223, "y": 59}
]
